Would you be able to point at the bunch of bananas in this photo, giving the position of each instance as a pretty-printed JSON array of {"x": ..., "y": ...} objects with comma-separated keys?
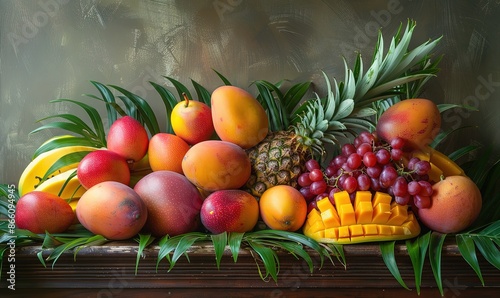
[
  {"x": 43, "y": 174},
  {"x": 54, "y": 171}
]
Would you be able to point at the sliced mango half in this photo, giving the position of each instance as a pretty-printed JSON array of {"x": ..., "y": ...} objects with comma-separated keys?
[{"x": 369, "y": 218}]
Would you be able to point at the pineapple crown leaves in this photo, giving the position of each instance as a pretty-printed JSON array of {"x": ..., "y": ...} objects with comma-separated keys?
[{"x": 350, "y": 106}]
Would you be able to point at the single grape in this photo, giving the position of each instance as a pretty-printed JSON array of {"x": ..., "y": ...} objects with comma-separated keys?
[
  {"x": 414, "y": 188},
  {"x": 422, "y": 167},
  {"x": 341, "y": 179},
  {"x": 388, "y": 176},
  {"x": 304, "y": 179},
  {"x": 347, "y": 168},
  {"x": 426, "y": 188},
  {"x": 383, "y": 156},
  {"x": 332, "y": 193},
  {"x": 369, "y": 159},
  {"x": 400, "y": 187},
  {"x": 316, "y": 175},
  {"x": 396, "y": 154},
  {"x": 374, "y": 172},
  {"x": 422, "y": 202},
  {"x": 330, "y": 171},
  {"x": 363, "y": 148},
  {"x": 352, "y": 197},
  {"x": 321, "y": 196},
  {"x": 354, "y": 161},
  {"x": 306, "y": 192},
  {"x": 403, "y": 200},
  {"x": 339, "y": 160},
  {"x": 350, "y": 184},
  {"x": 397, "y": 143},
  {"x": 318, "y": 187},
  {"x": 348, "y": 149},
  {"x": 311, "y": 206},
  {"x": 357, "y": 142},
  {"x": 412, "y": 162},
  {"x": 364, "y": 182},
  {"x": 375, "y": 184},
  {"x": 366, "y": 137},
  {"x": 312, "y": 164}
]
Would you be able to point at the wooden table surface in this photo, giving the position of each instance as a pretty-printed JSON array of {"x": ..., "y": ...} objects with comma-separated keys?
[{"x": 109, "y": 271}]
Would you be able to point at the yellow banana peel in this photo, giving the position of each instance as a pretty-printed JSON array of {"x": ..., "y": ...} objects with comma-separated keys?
[
  {"x": 54, "y": 185},
  {"x": 36, "y": 169},
  {"x": 73, "y": 203},
  {"x": 441, "y": 164},
  {"x": 448, "y": 166}
]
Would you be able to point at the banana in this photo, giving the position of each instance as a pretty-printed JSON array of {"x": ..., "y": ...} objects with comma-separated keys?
[
  {"x": 441, "y": 165},
  {"x": 36, "y": 169},
  {"x": 448, "y": 166},
  {"x": 73, "y": 203},
  {"x": 53, "y": 185}
]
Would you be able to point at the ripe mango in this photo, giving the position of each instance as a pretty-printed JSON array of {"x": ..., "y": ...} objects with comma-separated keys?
[
  {"x": 238, "y": 117},
  {"x": 415, "y": 120},
  {"x": 39, "y": 211},
  {"x": 215, "y": 165}
]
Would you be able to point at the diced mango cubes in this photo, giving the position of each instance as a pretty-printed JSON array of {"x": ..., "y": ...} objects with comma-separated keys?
[{"x": 368, "y": 218}]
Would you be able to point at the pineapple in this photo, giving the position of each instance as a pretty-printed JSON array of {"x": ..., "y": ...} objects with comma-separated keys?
[{"x": 302, "y": 130}]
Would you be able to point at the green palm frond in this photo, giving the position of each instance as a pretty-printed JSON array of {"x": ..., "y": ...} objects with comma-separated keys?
[
  {"x": 95, "y": 137},
  {"x": 263, "y": 244}
]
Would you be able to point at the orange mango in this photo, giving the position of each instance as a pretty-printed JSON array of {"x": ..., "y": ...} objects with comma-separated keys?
[
  {"x": 238, "y": 117},
  {"x": 215, "y": 165}
]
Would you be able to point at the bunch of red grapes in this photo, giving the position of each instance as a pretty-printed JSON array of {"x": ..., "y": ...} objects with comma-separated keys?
[{"x": 369, "y": 164}]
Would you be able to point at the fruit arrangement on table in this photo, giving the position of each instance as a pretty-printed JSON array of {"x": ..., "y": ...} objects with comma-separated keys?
[{"x": 357, "y": 165}]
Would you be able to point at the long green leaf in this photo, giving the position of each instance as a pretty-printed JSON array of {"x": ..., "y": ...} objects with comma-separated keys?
[
  {"x": 108, "y": 97},
  {"x": 72, "y": 119},
  {"x": 63, "y": 142},
  {"x": 181, "y": 88},
  {"x": 269, "y": 259},
  {"x": 167, "y": 245},
  {"x": 93, "y": 115},
  {"x": 219, "y": 241},
  {"x": 145, "y": 111},
  {"x": 468, "y": 251},
  {"x": 203, "y": 94},
  {"x": 417, "y": 250},
  {"x": 224, "y": 79},
  {"x": 71, "y": 127},
  {"x": 169, "y": 100},
  {"x": 58, "y": 251},
  {"x": 277, "y": 120},
  {"x": 489, "y": 250},
  {"x": 387, "y": 250},
  {"x": 294, "y": 95},
  {"x": 144, "y": 240},
  {"x": 435, "y": 249},
  {"x": 234, "y": 241},
  {"x": 68, "y": 159},
  {"x": 185, "y": 242},
  {"x": 338, "y": 251}
]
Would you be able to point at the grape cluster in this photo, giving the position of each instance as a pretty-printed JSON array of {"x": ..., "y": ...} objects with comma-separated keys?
[{"x": 369, "y": 164}]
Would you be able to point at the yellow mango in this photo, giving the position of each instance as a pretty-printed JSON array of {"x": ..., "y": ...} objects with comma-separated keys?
[
  {"x": 238, "y": 117},
  {"x": 367, "y": 219},
  {"x": 364, "y": 212}
]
